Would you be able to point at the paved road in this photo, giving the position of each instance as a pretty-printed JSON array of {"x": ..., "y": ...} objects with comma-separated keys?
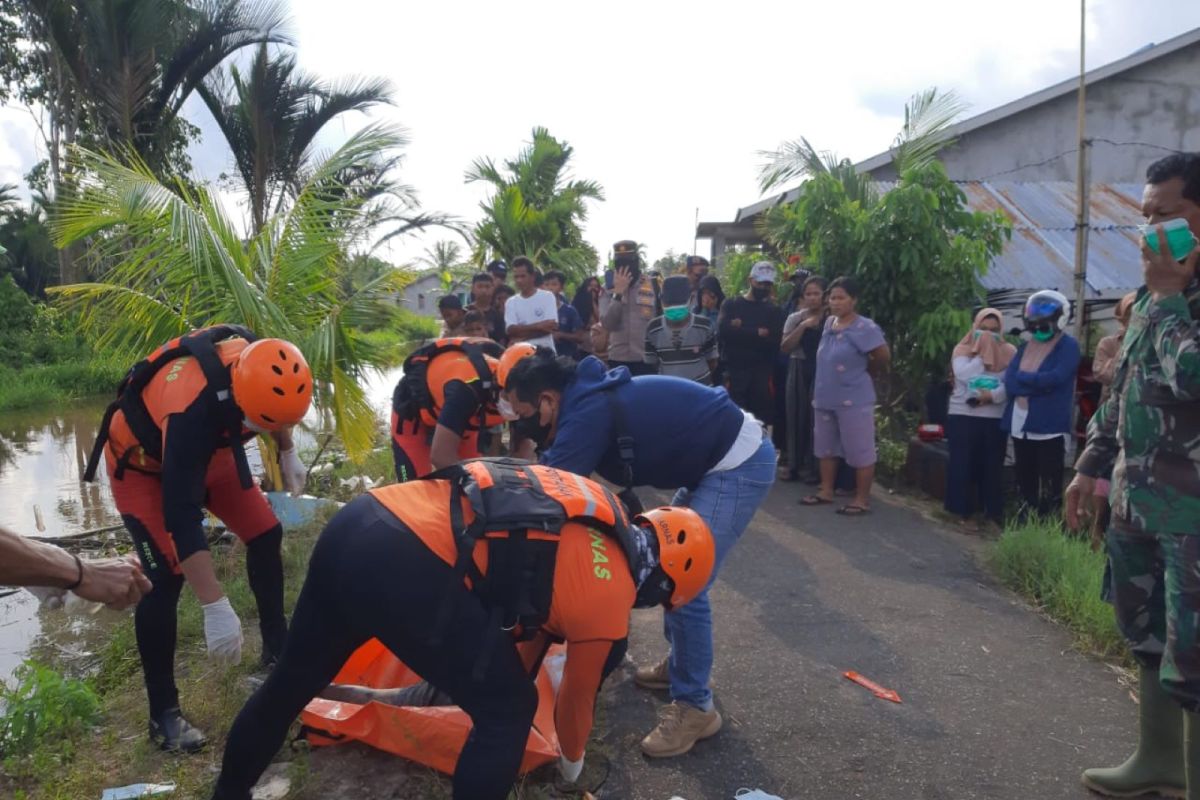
[{"x": 996, "y": 703}]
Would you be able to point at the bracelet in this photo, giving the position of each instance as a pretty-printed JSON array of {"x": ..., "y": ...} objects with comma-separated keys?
[{"x": 79, "y": 566}]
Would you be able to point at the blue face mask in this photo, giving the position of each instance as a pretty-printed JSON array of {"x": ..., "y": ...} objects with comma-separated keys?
[{"x": 676, "y": 313}]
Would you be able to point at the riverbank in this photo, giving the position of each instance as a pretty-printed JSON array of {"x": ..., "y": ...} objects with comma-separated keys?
[
  {"x": 117, "y": 752},
  {"x": 54, "y": 385}
]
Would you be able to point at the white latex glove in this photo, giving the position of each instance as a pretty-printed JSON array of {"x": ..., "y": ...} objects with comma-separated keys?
[
  {"x": 293, "y": 470},
  {"x": 570, "y": 770},
  {"x": 223, "y": 631}
]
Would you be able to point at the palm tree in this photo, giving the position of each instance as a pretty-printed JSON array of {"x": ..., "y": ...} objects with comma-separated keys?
[
  {"x": 114, "y": 75},
  {"x": 928, "y": 117},
  {"x": 271, "y": 117},
  {"x": 536, "y": 209},
  {"x": 132, "y": 64},
  {"x": 182, "y": 263}
]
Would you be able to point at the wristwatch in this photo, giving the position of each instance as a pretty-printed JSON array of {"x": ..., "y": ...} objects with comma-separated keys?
[{"x": 616, "y": 295}]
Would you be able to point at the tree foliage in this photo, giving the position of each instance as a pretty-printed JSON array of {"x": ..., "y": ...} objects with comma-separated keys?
[
  {"x": 181, "y": 263},
  {"x": 536, "y": 209},
  {"x": 918, "y": 254}
]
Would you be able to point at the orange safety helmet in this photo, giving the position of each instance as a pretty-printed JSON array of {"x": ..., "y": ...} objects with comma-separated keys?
[
  {"x": 272, "y": 384},
  {"x": 509, "y": 359},
  {"x": 686, "y": 550}
]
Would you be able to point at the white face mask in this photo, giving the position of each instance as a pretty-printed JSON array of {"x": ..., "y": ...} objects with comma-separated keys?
[
  {"x": 506, "y": 410},
  {"x": 253, "y": 427}
]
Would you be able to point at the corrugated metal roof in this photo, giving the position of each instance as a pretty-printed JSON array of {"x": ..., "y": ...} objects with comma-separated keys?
[{"x": 1041, "y": 254}]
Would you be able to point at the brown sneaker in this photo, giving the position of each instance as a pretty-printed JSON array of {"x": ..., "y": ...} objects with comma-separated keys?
[
  {"x": 655, "y": 677},
  {"x": 680, "y": 726}
]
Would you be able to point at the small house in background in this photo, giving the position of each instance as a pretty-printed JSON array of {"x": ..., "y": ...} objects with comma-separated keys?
[
  {"x": 422, "y": 295},
  {"x": 1020, "y": 159}
]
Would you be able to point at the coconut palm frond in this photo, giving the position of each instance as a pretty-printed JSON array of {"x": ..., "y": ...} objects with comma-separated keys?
[{"x": 928, "y": 118}]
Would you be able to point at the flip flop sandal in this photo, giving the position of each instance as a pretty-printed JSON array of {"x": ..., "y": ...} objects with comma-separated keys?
[
  {"x": 814, "y": 500},
  {"x": 852, "y": 510}
]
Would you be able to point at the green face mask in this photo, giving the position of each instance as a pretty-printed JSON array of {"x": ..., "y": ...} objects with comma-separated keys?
[
  {"x": 1043, "y": 336},
  {"x": 676, "y": 313}
]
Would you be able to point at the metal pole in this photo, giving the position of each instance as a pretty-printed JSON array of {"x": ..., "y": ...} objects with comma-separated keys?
[{"x": 1083, "y": 216}]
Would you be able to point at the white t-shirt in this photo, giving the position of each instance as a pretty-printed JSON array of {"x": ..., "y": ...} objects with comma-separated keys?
[{"x": 541, "y": 307}]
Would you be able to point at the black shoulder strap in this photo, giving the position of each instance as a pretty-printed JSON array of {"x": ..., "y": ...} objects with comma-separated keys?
[
  {"x": 203, "y": 347},
  {"x": 625, "y": 443}
]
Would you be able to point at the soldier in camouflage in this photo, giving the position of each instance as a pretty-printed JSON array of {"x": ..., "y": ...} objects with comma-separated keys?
[{"x": 1147, "y": 437}]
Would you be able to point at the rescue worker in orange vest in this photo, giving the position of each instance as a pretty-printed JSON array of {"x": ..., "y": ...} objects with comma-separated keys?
[
  {"x": 445, "y": 401},
  {"x": 173, "y": 446},
  {"x": 408, "y": 564}
]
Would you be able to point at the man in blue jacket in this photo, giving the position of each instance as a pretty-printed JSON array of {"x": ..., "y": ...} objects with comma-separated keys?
[{"x": 668, "y": 433}]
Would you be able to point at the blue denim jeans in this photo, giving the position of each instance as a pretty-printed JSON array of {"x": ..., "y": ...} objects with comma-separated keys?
[{"x": 727, "y": 502}]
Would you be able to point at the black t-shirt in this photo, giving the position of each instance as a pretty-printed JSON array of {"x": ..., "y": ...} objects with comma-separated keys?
[
  {"x": 742, "y": 346},
  {"x": 460, "y": 409}
]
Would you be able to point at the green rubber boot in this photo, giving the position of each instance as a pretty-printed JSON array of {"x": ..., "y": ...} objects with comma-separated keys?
[
  {"x": 1157, "y": 765},
  {"x": 1191, "y": 753}
]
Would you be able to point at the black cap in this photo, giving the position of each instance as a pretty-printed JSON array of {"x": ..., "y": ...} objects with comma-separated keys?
[
  {"x": 450, "y": 301},
  {"x": 498, "y": 267},
  {"x": 695, "y": 261}
]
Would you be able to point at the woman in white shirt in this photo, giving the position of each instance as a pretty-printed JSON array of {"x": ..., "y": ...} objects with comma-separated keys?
[{"x": 977, "y": 442}]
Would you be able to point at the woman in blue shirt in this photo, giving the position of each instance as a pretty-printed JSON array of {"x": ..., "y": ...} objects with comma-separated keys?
[{"x": 1040, "y": 383}]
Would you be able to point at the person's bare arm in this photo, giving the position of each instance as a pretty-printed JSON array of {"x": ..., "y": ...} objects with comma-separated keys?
[
  {"x": 532, "y": 331},
  {"x": 880, "y": 360},
  {"x": 443, "y": 450},
  {"x": 116, "y": 582}
]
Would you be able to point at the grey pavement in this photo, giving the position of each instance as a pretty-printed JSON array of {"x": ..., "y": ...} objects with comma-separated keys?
[{"x": 996, "y": 702}]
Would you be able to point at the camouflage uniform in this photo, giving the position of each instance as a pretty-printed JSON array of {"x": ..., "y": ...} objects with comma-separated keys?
[{"x": 1147, "y": 436}]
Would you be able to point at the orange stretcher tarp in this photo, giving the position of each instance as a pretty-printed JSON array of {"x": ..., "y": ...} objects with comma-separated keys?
[{"x": 430, "y": 736}]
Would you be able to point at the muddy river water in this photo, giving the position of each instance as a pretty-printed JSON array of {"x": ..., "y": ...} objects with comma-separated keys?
[{"x": 43, "y": 453}]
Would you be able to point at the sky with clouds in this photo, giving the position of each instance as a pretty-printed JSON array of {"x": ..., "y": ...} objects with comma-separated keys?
[{"x": 668, "y": 103}]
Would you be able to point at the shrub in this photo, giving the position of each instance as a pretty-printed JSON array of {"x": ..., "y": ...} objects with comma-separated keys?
[{"x": 44, "y": 713}]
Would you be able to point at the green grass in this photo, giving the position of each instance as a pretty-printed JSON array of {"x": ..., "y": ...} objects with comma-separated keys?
[
  {"x": 1062, "y": 575},
  {"x": 117, "y": 751},
  {"x": 57, "y": 384}
]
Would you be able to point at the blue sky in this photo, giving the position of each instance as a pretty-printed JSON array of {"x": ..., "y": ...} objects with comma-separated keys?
[{"x": 667, "y": 103}]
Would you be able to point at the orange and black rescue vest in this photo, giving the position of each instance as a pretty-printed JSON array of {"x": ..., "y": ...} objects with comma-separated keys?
[
  {"x": 519, "y": 511},
  {"x": 421, "y": 392},
  {"x": 131, "y": 427}
]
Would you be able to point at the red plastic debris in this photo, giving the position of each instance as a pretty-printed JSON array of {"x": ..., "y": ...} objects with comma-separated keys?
[{"x": 873, "y": 687}]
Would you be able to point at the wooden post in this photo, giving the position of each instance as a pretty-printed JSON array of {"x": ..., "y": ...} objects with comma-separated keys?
[{"x": 1082, "y": 185}]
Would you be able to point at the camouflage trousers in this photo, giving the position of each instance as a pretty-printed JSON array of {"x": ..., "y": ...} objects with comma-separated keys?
[{"x": 1156, "y": 597}]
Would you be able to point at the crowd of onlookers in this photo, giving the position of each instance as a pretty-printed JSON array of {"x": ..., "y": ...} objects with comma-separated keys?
[{"x": 792, "y": 349}]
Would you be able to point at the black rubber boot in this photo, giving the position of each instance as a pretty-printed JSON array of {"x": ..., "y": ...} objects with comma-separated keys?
[
  {"x": 1157, "y": 765},
  {"x": 264, "y": 569},
  {"x": 171, "y": 732}
]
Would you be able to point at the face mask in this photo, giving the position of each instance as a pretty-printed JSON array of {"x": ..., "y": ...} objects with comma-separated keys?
[
  {"x": 531, "y": 428},
  {"x": 993, "y": 334},
  {"x": 1043, "y": 335},
  {"x": 251, "y": 426},
  {"x": 676, "y": 313},
  {"x": 506, "y": 410},
  {"x": 759, "y": 293}
]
